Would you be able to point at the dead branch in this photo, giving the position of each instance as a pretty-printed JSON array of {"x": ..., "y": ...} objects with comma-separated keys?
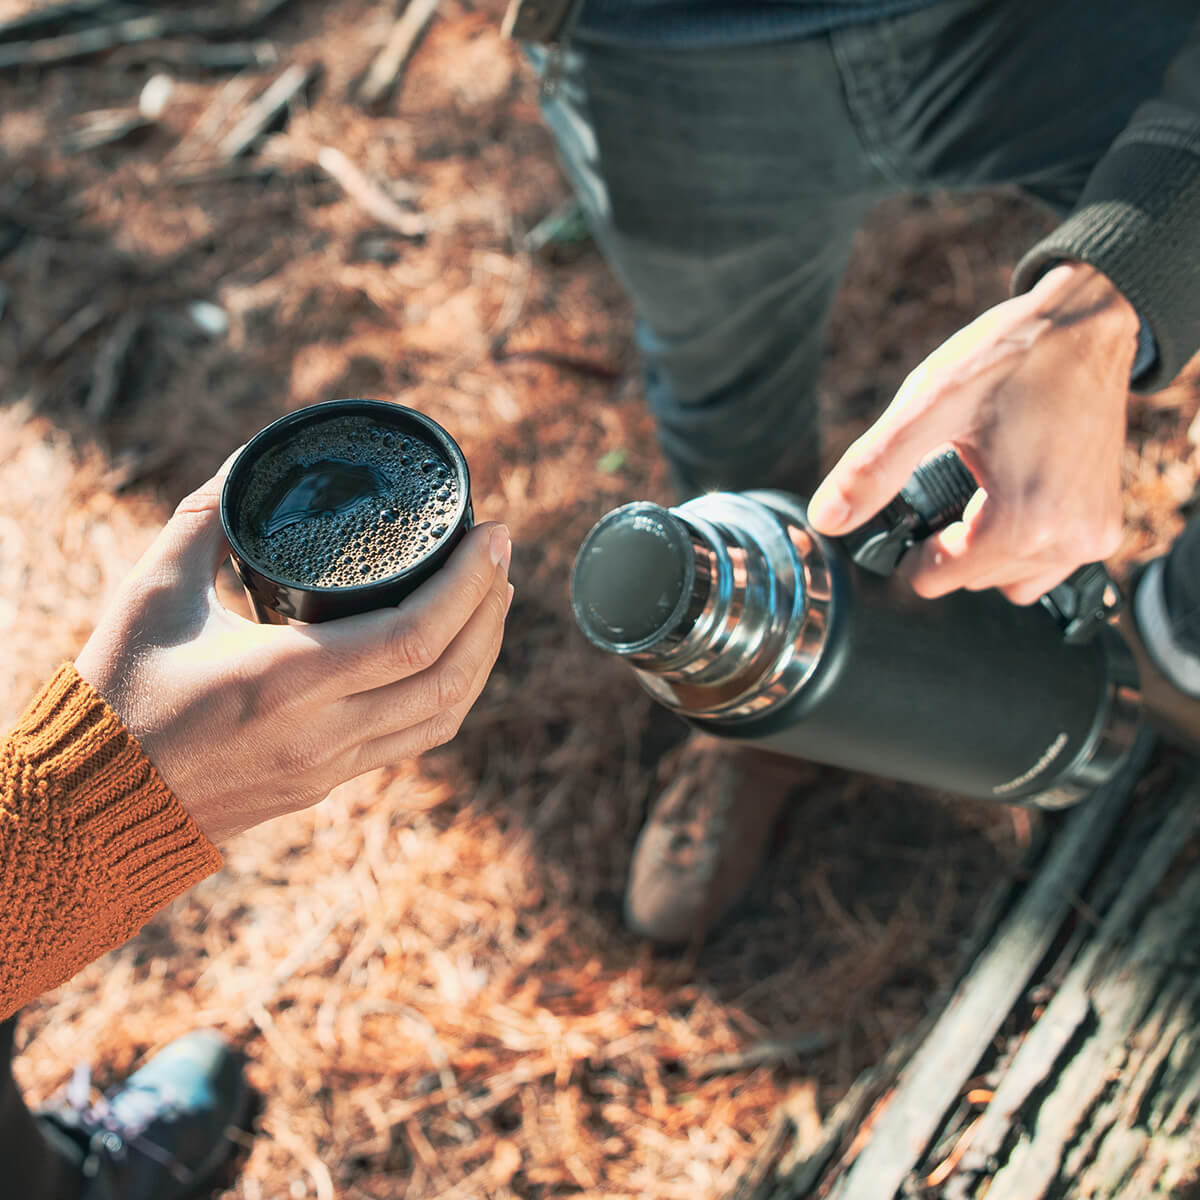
[
  {"x": 389, "y": 64},
  {"x": 49, "y": 16},
  {"x": 934, "y": 1078},
  {"x": 209, "y": 56},
  {"x": 259, "y": 117},
  {"x": 103, "y": 128},
  {"x": 79, "y": 324},
  {"x": 97, "y": 39},
  {"x": 764, "y": 1054},
  {"x": 370, "y": 198},
  {"x": 108, "y": 372}
]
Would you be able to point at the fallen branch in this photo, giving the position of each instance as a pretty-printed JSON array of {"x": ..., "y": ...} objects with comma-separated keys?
[
  {"x": 96, "y": 39},
  {"x": 49, "y": 16},
  {"x": 108, "y": 371},
  {"x": 79, "y": 324},
  {"x": 209, "y": 56},
  {"x": 934, "y": 1077},
  {"x": 370, "y": 198},
  {"x": 102, "y": 128},
  {"x": 790, "y": 1050},
  {"x": 259, "y": 117},
  {"x": 389, "y": 63}
]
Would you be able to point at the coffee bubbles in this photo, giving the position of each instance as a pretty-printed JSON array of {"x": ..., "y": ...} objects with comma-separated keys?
[
  {"x": 346, "y": 502},
  {"x": 343, "y": 507}
]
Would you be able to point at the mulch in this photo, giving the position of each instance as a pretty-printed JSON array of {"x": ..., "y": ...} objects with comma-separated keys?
[{"x": 428, "y": 972}]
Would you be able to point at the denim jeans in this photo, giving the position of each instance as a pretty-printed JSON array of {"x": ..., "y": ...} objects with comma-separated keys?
[{"x": 725, "y": 186}]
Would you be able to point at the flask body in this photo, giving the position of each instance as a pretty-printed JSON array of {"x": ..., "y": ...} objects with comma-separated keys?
[{"x": 781, "y": 640}]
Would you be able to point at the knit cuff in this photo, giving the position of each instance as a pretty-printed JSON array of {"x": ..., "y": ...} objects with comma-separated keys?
[
  {"x": 1138, "y": 222},
  {"x": 92, "y": 841}
]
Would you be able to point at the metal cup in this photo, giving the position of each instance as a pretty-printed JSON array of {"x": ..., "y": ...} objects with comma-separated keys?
[{"x": 275, "y": 598}]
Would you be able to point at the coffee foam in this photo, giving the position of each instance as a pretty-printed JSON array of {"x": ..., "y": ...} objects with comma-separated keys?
[{"x": 380, "y": 536}]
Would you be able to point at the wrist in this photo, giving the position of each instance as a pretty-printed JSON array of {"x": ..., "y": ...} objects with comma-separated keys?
[{"x": 1077, "y": 296}]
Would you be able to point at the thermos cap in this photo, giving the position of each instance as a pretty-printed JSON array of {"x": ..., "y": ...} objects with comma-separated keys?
[{"x": 633, "y": 577}]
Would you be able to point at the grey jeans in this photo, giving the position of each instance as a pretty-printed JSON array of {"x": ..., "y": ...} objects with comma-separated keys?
[{"x": 725, "y": 186}]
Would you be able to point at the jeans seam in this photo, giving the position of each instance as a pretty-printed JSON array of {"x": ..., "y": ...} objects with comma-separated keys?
[{"x": 873, "y": 148}]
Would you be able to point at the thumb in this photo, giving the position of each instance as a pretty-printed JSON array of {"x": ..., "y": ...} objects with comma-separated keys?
[
  {"x": 880, "y": 462},
  {"x": 192, "y": 543}
]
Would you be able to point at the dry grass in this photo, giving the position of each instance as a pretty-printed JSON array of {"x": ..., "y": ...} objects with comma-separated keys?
[{"x": 428, "y": 971}]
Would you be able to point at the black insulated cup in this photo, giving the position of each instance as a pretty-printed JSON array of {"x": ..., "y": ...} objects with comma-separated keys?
[
  {"x": 737, "y": 615},
  {"x": 343, "y": 507}
]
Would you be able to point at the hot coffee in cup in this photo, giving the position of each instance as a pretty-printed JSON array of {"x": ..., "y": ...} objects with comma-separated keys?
[{"x": 343, "y": 507}]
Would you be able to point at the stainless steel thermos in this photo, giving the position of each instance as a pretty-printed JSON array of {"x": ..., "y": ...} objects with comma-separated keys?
[{"x": 737, "y": 615}]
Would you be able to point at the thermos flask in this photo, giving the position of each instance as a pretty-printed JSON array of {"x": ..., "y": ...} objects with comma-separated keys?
[{"x": 741, "y": 618}]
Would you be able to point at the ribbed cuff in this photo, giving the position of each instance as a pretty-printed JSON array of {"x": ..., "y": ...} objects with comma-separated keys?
[
  {"x": 92, "y": 842},
  {"x": 1138, "y": 222},
  {"x": 113, "y": 796}
]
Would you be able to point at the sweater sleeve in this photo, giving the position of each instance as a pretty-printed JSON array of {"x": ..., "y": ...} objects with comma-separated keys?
[
  {"x": 92, "y": 842},
  {"x": 1138, "y": 220}
]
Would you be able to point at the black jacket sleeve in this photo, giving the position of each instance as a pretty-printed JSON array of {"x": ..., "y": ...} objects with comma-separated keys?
[{"x": 1138, "y": 220}]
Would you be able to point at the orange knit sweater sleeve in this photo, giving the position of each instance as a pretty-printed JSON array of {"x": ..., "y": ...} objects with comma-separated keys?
[{"x": 92, "y": 842}]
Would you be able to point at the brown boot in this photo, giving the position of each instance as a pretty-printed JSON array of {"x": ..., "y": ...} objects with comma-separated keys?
[{"x": 705, "y": 836}]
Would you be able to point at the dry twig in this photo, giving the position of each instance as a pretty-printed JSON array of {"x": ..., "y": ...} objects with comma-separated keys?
[
  {"x": 389, "y": 64},
  {"x": 108, "y": 374},
  {"x": 763, "y": 1055},
  {"x": 370, "y": 198},
  {"x": 96, "y": 39},
  {"x": 259, "y": 117}
]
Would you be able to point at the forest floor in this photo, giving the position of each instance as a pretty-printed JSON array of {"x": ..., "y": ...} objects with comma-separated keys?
[{"x": 428, "y": 971}]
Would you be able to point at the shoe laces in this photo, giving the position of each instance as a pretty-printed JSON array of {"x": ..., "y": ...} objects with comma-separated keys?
[{"x": 113, "y": 1127}]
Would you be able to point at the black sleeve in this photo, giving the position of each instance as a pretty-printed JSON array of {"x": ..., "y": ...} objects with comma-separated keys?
[{"x": 1138, "y": 219}]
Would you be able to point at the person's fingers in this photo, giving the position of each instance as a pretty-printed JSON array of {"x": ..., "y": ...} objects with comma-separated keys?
[
  {"x": 355, "y": 654},
  {"x": 192, "y": 544},
  {"x": 1034, "y": 587},
  {"x": 968, "y": 554},
  {"x": 920, "y": 420},
  {"x": 434, "y": 731},
  {"x": 445, "y": 685}
]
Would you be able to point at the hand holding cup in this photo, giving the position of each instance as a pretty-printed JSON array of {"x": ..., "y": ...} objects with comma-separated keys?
[{"x": 246, "y": 722}]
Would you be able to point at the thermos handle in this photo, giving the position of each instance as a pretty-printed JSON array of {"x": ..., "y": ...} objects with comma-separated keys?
[{"x": 935, "y": 496}]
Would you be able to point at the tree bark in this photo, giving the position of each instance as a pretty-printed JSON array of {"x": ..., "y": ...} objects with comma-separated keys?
[{"x": 1080, "y": 1011}]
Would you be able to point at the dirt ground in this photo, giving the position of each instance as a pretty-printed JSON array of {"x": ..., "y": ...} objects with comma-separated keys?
[{"x": 428, "y": 971}]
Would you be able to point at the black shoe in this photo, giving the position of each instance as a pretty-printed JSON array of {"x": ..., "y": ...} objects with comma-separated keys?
[{"x": 164, "y": 1133}]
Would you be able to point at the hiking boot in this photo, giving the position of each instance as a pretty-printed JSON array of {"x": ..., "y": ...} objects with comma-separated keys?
[
  {"x": 161, "y": 1135},
  {"x": 1168, "y": 673},
  {"x": 705, "y": 837}
]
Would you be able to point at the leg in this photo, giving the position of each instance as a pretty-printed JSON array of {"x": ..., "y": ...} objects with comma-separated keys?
[
  {"x": 971, "y": 93},
  {"x": 724, "y": 188},
  {"x": 1181, "y": 592},
  {"x": 31, "y": 1168},
  {"x": 1163, "y": 627}
]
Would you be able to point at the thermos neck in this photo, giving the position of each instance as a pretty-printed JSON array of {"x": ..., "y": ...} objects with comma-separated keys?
[{"x": 721, "y": 604}]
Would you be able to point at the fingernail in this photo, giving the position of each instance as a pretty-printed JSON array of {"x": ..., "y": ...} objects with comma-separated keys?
[
  {"x": 508, "y": 602},
  {"x": 828, "y": 511},
  {"x": 500, "y": 546}
]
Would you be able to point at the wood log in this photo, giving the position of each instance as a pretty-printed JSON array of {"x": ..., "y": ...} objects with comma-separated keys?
[{"x": 1081, "y": 1010}]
